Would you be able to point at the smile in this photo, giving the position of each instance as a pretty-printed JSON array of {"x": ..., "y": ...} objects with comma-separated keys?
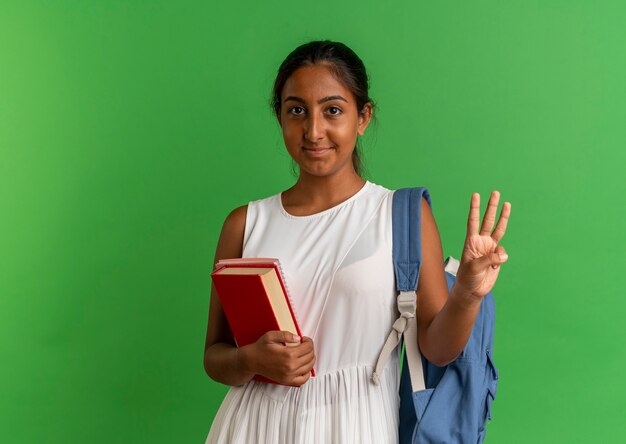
[{"x": 316, "y": 152}]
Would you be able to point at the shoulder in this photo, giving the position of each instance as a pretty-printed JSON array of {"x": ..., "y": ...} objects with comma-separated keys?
[
  {"x": 230, "y": 243},
  {"x": 430, "y": 232},
  {"x": 426, "y": 208},
  {"x": 236, "y": 220},
  {"x": 427, "y": 216},
  {"x": 379, "y": 192},
  {"x": 374, "y": 187}
]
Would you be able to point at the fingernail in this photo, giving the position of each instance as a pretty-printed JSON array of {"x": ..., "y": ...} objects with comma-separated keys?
[
  {"x": 296, "y": 338},
  {"x": 503, "y": 257}
]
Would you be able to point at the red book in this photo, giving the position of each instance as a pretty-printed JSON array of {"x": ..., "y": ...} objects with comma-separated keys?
[{"x": 255, "y": 300}]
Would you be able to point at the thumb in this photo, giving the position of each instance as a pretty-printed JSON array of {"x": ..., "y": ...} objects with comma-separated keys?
[
  {"x": 284, "y": 336},
  {"x": 494, "y": 259}
]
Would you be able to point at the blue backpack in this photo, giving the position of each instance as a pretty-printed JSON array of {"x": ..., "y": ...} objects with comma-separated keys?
[{"x": 448, "y": 404}]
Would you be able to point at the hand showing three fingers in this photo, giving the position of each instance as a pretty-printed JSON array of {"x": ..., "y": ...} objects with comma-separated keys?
[{"x": 482, "y": 256}]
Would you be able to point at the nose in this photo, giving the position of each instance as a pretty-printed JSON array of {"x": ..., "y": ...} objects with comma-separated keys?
[{"x": 314, "y": 128}]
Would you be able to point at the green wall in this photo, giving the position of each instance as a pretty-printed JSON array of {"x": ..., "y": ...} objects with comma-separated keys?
[{"x": 129, "y": 129}]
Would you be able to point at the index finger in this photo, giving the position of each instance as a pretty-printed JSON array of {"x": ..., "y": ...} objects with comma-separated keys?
[{"x": 473, "y": 221}]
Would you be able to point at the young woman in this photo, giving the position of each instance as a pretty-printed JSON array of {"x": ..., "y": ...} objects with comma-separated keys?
[{"x": 332, "y": 232}]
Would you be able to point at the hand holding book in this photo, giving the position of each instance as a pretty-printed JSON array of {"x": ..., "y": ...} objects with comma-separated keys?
[
  {"x": 272, "y": 357},
  {"x": 256, "y": 302}
]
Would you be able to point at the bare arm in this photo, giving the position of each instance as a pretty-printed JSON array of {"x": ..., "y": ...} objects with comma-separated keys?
[
  {"x": 222, "y": 361},
  {"x": 269, "y": 356},
  {"x": 445, "y": 320}
]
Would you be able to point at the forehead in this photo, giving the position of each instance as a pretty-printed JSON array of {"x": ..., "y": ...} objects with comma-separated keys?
[{"x": 313, "y": 83}]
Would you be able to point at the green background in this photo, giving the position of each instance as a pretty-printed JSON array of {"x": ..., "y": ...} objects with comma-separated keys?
[{"x": 129, "y": 130}]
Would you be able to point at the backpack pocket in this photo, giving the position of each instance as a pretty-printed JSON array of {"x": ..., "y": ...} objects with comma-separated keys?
[{"x": 492, "y": 384}]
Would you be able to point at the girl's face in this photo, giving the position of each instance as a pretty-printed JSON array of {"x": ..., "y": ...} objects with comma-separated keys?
[{"x": 320, "y": 121}]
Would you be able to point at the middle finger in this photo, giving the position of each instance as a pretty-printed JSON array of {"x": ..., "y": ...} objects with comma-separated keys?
[{"x": 490, "y": 214}]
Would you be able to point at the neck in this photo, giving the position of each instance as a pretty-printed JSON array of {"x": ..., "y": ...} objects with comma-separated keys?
[{"x": 317, "y": 193}]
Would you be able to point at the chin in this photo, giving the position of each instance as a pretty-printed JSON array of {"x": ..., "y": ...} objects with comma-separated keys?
[{"x": 325, "y": 171}]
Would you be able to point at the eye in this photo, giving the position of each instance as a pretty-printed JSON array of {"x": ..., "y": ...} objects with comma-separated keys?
[
  {"x": 334, "y": 111},
  {"x": 296, "y": 110}
]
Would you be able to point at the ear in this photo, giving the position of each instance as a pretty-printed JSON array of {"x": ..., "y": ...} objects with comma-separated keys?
[{"x": 364, "y": 118}]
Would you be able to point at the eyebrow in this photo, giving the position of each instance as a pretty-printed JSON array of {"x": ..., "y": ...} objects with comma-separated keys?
[{"x": 325, "y": 99}]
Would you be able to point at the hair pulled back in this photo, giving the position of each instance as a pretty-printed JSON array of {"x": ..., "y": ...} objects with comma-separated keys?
[{"x": 342, "y": 62}]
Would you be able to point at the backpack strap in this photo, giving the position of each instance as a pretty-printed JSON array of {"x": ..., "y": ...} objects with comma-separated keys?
[{"x": 407, "y": 260}]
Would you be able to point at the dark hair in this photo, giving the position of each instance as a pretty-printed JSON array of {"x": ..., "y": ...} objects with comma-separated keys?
[{"x": 343, "y": 63}]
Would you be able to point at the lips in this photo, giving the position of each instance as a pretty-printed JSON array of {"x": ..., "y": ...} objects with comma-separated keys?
[{"x": 316, "y": 152}]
